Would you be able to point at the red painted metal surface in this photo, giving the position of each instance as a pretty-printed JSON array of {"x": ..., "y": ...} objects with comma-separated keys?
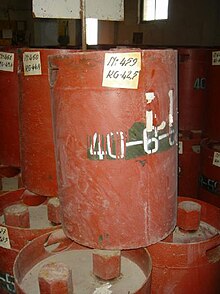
[
  {"x": 9, "y": 126},
  {"x": 188, "y": 267},
  {"x": 37, "y": 149},
  {"x": 209, "y": 190},
  {"x": 193, "y": 70},
  {"x": 8, "y": 171},
  {"x": 38, "y": 250},
  {"x": 116, "y": 148},
  {"x": 212, "y": 125},
  {"x": 8, "y": 256},
  {"x": 189, "y": 163},
  {"x": 17, "y": 237}
]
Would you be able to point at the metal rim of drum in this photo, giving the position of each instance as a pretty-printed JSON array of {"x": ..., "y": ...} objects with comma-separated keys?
[{"x": 36, "y": 249}]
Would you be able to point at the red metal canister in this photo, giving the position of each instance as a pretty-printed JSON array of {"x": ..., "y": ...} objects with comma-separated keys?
[
  {"x": 189, "y": 163},
  {"x": 189, "y": 262},
  {"x": 115, "y": 133},
  {"x": 14, "y": 238},
  {"x": 9, "y": 125},
  {"x": 193, "y": 69},
  {"x": 56, "y": 249},
  {"x": 209, "y": 190},
  {"x": 37, "y": 149},
  {"x": 212, "y": 124}
]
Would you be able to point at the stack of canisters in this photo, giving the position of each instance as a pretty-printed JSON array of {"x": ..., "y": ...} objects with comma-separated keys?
[
  {"x": 98, "y": 212},
  {"x": 192, "y": 78},
  {"x": 188, "y": 260},
  {"x": 114, "y": 120},
  {"x": 210, "y": 148},
  {"x": 27, "y": 143}
]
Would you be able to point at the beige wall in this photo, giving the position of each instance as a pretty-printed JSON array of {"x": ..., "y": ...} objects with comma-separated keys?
[
  {"x": 191, "y": 22},
  {"x": 106, "y": 32}
]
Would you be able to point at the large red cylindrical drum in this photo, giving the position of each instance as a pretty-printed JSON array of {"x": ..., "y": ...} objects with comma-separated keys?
[
  {"x": 57, "y": 248},
  {"x": 212, "y": 125},
  {"x": 210, "y": 172},
  {"x": 37, "y": 148},
  {"x": 9, "y": 99},
  {"x": 193, "y": 68},
  {"x": 189, "y": 262},
  {"x": 115, "y": 135},
  {"x": 14, "y": 238},
  {"x": 189, "y": 163}
]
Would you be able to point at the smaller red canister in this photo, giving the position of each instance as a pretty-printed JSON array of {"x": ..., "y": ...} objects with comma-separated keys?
[{"x": 188, "y": 261}]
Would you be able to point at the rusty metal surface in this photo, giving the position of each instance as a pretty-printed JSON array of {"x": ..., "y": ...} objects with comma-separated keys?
[
  {"x": 193, "y": 70},
  {"x": 83, "y": 20},
  {"x": 37, "y": 148},
  {"x": 188, "y": 267},
  {"x": 116, "y": 147},
  {"x": 9, "y": 124}
]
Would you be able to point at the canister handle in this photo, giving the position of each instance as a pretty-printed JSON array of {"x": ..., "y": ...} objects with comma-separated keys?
[{"x": 52, "y": 76}]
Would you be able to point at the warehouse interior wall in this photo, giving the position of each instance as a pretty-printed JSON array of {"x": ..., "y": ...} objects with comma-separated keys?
[
  {"x": 106, "y": 32},
  {"x": 16, "y": 16},
  {"x": 190, "y": 23},
  {"x": 193, "y": 23}
]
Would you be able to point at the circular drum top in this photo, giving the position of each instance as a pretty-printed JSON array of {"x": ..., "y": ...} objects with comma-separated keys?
[
  {"x": 189, "y": 261},
  {"x": 115, "y": 135},
  {"x": 53, "y": 250}
]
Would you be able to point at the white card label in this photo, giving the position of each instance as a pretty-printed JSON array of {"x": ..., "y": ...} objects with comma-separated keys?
[
  {"x": 32, "y": 63},
  {"x": 4, "y": 238},
  {"x": 7, "y": 61},
  {"x": 216, "y": 58},
  {"x": 196, "y": 148},
  {"x": 216, "y": 159},
  {"x": 121, "y": 70},
  {"x": 180, "y": 147}
]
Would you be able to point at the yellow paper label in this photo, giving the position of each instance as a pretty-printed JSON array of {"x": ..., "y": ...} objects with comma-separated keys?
[
  {"x": 216, "y": 159},
  {"x": 32, "y": 63},
  {"x": 121, "y": 70},
  {"x": 216, "y": 58},
  {"x": 6, "y": 61}
]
